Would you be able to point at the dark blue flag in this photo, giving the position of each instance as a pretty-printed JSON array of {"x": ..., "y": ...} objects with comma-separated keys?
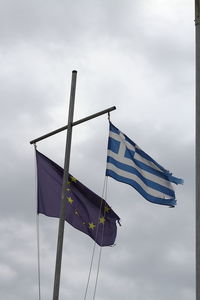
[{"x": 85, "y": 210}]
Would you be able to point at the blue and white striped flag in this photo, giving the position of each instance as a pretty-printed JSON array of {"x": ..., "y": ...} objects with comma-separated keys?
[{"x": 127, "y": 163}]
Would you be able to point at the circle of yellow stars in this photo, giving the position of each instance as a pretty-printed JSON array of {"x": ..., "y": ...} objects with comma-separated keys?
[{"x": 70, "y": 201}]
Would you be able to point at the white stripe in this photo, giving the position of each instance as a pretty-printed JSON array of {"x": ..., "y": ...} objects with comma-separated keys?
[
  {"x": 144, "y": 173},
  {"x": 128, "y": 175},
  {"x": 132, "y": 148}
]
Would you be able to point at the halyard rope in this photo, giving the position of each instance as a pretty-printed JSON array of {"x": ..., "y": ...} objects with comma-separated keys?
[
  {"x": 100, "y": 250},
  {"x": 94, "y": 247}
]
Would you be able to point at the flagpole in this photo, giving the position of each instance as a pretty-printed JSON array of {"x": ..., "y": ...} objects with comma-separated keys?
[
  {"x": 64, "y": 189},
  {"x": 197, "y": 23}
]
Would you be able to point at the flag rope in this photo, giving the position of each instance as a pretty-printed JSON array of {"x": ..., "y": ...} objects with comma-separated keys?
[
  {"x": 100, "y": 250},
  {"x": 37, "y": 232},
  {"x": 94, "y": 247},
  {"x": 90, "y": 270}
]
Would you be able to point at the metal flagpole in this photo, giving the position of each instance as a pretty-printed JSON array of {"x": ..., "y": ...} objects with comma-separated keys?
[
  {"x": 64, "y": 189},
  {"x": 197, "y": 23},
  {"x": 65, "y": 176}
]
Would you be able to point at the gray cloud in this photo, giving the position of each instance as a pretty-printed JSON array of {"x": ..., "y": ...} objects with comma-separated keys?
[{"x": 134, "y": 56}]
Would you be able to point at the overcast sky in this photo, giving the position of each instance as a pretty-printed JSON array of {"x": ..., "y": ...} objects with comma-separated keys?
[{"x": 138, "y": 56}]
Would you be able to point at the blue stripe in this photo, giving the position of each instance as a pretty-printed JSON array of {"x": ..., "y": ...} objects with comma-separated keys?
[
  {"x": 149, "y": 183},
  {"x": 165, "y": 175},
  {"x": 150, "y": 198},
  {"x": 146, "y": 156},
  {"x": 175, "y": 179},
  {"x": 151, "y": 170}
]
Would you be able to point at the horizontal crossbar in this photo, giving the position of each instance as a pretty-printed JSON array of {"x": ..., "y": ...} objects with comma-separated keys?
[{"x": 73, "y": 124}]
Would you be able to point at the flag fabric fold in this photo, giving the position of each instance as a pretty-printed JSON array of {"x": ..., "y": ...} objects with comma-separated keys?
[
  {"x": 85, "y": 210},
  {"x": 128, "y": 163}
]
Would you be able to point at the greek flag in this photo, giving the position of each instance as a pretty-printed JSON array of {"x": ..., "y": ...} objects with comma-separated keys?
[{"x": 127, "y": 163}]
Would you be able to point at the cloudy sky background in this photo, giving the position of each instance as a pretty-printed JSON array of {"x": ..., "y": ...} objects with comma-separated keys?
[{"x": 139, "y": 56}]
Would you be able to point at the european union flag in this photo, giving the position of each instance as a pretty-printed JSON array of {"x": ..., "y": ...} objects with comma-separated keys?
[
  {"x": 85, "y": 210},
  {"x": 128, "y": 163}
]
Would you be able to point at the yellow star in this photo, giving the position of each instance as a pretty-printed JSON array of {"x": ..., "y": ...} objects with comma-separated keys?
[
  {"x": 91, "y": 226},
  {"x": 68, "y": 190},
  {"x": 106, "y": 208},
  {"x": 70, "y": 200},
  {"x": 76, "y": 213},
  {"x": 102, "y": 220},
  {"x": 73, "y": 179}
]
